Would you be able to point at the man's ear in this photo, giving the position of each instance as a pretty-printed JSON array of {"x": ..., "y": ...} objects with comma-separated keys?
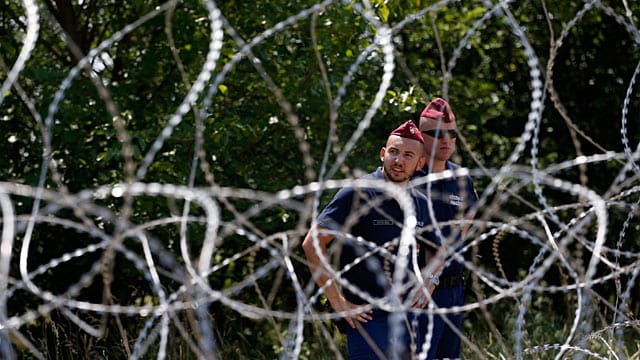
[
  {"x": 382, "y": 151},
  {"x": 421, "y": 162}
]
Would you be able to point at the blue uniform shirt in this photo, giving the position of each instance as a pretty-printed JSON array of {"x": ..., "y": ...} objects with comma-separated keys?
[
  {"x": 452, "y": 199},
  {"x": 377, "y": 219}
]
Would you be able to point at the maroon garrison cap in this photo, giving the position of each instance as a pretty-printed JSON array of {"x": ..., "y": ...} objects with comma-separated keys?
[
  {"x": 438, "y": 109},
  {"x": 408, "y": 130}
]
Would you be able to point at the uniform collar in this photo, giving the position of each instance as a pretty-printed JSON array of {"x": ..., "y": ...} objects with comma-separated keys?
[
  {"x": 447, "y": 166},
  {"x": 378, "y": 173}
]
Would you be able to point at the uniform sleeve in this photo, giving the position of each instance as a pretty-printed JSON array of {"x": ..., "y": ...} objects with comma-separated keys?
[{"x": 334, "y": 215}]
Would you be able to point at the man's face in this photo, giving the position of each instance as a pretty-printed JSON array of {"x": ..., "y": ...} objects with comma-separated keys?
[
  {"x": 439, "y": 138},
  {"x": 401, "y": 158}
]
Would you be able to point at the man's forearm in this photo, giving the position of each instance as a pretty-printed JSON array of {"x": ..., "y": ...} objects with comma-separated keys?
[
  {"x": 315, "y": 246},
  {"x": 435, "y": 262}
]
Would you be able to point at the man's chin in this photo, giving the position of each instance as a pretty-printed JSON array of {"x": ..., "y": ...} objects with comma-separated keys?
[{"x": 398, "y": 179}]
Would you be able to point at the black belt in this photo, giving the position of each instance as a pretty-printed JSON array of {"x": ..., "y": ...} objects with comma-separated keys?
[{"x": 450, "y": 281}]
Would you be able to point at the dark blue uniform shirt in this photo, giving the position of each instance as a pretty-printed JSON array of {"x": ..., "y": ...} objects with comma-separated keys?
[
  {"x": 452, "y": 199},
  {"x": 378, "y": 219}
]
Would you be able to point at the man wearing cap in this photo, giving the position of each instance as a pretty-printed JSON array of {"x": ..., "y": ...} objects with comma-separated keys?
[
  {"x": 368, "y": 223},
  {"x": 452, "y": 199}
]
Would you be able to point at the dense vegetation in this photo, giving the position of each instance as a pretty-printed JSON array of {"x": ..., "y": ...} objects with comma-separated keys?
[{"x": 265, "y": 127}]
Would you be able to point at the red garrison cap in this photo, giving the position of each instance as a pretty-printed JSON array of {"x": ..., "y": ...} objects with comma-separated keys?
[
  {"x": 408, "y": 130},
  {"x": 438, "y": 109}
]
